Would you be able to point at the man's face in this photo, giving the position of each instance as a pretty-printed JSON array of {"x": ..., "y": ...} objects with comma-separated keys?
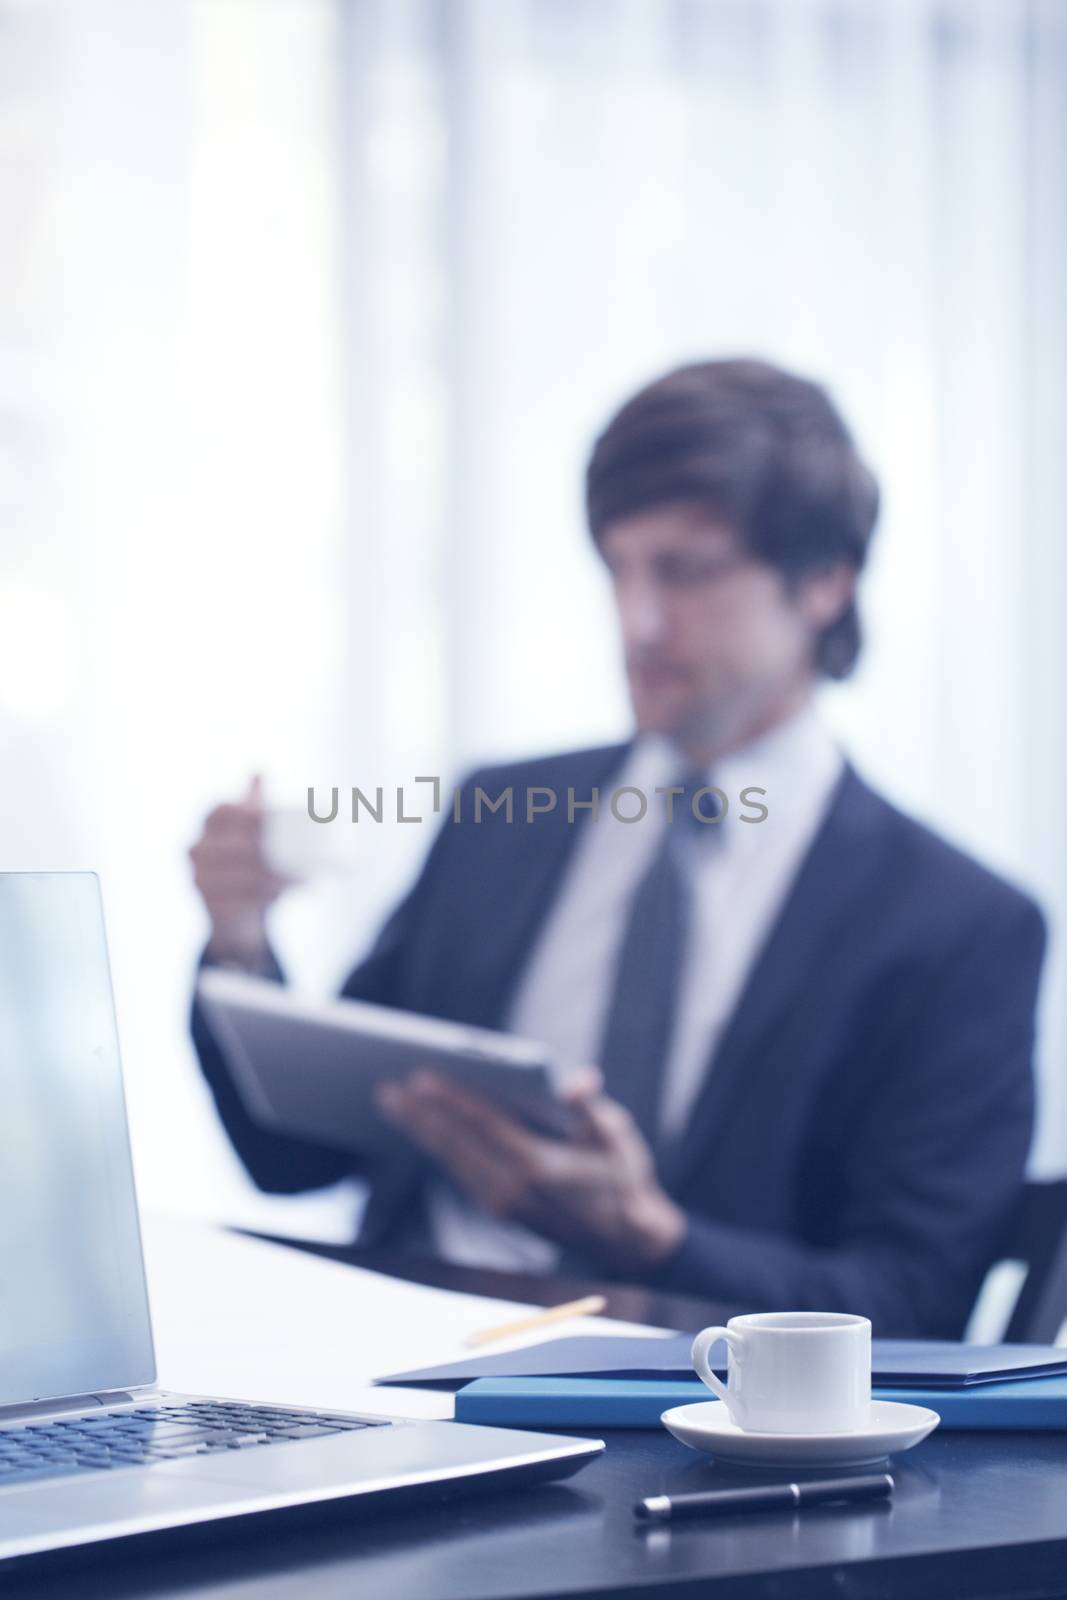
[{"x": 714, "y": 640}]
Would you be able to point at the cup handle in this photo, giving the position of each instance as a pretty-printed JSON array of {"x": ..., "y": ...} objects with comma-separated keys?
[{"x": 702, "y": 1345}]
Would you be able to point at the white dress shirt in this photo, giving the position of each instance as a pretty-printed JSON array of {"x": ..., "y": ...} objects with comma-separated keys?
[{"x": 741, "y": 874}]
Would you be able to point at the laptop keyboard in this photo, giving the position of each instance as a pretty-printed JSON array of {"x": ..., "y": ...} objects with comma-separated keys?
[{"x": 147, "y": 1434}]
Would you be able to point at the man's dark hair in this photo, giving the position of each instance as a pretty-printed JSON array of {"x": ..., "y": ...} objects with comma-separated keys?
[{"x": 764, "y": 450}]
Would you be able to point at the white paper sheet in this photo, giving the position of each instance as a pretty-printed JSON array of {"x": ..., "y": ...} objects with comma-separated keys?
[{"x": 256, "y": 1321}]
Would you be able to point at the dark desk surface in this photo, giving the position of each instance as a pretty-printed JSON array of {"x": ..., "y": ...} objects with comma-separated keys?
[
  {"x": 628, "y": 1302},
  {"x": 974, "y": 1514}
]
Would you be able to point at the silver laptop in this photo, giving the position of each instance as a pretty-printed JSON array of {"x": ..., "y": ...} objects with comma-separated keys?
[{"x": 90, "y": 1447}]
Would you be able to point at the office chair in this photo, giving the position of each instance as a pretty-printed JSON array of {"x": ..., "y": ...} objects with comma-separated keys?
[{"x": 1038, "y": 1236}]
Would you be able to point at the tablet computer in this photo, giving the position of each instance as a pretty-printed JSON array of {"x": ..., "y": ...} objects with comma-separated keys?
[{"x": 308, "y": 1067}]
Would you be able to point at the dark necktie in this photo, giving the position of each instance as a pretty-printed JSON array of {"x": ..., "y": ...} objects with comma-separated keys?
[{"x": 641, "y": 1016}]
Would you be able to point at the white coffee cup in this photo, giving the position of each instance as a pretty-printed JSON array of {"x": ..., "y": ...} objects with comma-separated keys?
[
  {"x": 297, "y": 847},
  {"x": 792, "y": 1371}
]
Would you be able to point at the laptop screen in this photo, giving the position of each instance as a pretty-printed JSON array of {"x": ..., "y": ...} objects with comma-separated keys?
[{"x": 73, "y": 1304}]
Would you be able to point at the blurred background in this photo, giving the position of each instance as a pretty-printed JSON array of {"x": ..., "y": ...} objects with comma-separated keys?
[{"x": 309, "y": 310}]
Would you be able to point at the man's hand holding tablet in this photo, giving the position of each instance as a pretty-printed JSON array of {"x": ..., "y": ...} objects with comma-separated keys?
[
  {"x": 525, "y": 1142},
  {"x": 596, "y": 1190}
]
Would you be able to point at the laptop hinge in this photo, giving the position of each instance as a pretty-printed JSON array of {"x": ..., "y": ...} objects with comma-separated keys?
[{"x": 76, "y": 1402}]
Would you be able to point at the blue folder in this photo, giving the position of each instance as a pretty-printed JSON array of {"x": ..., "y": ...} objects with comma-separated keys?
[
  {"x": 917, "y": 1364},
  {"x": 1026, "y": 1403}
]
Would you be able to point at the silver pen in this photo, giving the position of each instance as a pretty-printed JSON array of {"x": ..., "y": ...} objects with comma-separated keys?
[{"x": 767, "y": 1497}]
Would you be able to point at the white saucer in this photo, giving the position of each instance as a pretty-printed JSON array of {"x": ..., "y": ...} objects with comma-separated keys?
[{"x": 707, "y": 1425}]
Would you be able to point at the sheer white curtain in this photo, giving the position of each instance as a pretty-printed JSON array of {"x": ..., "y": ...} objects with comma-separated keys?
[{"x": 337, "y": 292}]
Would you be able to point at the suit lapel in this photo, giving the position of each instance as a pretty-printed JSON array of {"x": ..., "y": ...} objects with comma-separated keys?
[
  {"x": 529, "y": 880},
  {"x": 835, "y": 877}
]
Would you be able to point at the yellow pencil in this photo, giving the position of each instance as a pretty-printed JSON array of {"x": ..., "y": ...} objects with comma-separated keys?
[{"x": 587, "y": 1307}]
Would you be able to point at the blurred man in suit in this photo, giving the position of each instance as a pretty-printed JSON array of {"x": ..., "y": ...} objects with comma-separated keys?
[{"x": 811, "y": 1019}]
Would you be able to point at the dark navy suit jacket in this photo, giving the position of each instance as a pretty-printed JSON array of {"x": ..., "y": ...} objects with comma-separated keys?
[{"x": 862, "y": 1132}]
